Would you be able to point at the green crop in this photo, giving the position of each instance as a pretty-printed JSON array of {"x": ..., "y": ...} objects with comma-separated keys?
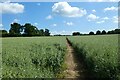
[
  {"x": 43, "y": 57},
  {"x": 39, "y": 57},
  {"x": 99, "y": 53}
]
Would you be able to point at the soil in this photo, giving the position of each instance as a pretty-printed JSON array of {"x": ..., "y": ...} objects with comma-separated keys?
[{"x": 75, "y": 67}]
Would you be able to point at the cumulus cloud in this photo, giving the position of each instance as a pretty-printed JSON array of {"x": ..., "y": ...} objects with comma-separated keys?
[
  {"x": 15, "y": 21},
  {"x": 100, "y": 22},
  {"x": 49, "y": 17},
  {"x": 1, "y": 26},
  {"x": 111, "y": 9},
  {"x": 8, "y": 7},
  {"x": 93, "y": 11},
  {"x": 115, "y": 19},
  {"x": 105, "y": 18},
  {"x": 63, "y": 32},
  {"x": 69, "y": 23},
  {"x": 54, "y": 25},
  {"x": 35, "y": 24},
  {"x": 64, "y": 9},
  {"x": 92, "y": 17}
]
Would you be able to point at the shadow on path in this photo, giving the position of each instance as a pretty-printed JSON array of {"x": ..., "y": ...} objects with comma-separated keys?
[{"x": 75, "y": 63}]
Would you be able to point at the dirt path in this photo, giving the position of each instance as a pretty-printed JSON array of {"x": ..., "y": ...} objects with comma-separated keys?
[{"x": 74, "y": 66}]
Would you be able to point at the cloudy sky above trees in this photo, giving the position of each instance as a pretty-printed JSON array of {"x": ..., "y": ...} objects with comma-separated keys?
[{"x": 62, "y": 17}]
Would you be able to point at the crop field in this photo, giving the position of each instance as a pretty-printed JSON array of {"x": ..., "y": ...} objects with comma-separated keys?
[
  {"x": 99, "y": 53},
  {"x": 32, "y": 57}
]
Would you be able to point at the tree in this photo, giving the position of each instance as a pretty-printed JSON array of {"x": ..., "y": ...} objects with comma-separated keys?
[
  {"x": 36, "y": 31},
  {"x": 98, "y": 32},
  {"x": 117, "y": 31},
  {"x": 30, "y": 30},
  {"x": 3, "y": 33},
  {"x": 76, "y": 33},
  {"x": 15, "y": 29},
  {"x": 47, "y": 32},
  {"x": 91, "y": 33},
  {"x": 103, "y": 32},
  {"x": 41, "y": 32},
  {"x": 111, "y": 32}
]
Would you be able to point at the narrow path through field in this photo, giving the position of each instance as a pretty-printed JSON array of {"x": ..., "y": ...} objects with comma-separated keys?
[{"x": 75, "y": 67}]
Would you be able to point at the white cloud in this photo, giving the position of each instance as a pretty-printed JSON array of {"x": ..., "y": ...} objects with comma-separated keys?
[
  {"x": 100, "y": 22},
  {"x": 111, "y": 8},
  {"x": 105, "y": 18},
  {"x": 69, "y": 23},
  {"x": 63, "y": 32},
  {"x": 8, "y": 7},
  {"x": 64, "y": 9},
  {"x": 15, "y": 21},
  {"x": 35, "y": 24},
  {"x": 1, "y": 27},
  {"x": 115, "y": 19},
  {"x": 92, "y": 17},
  {"x": 49, "y": 17},
  {"x": 54, "y": 25},
  {"x": 93, "y": 11}
]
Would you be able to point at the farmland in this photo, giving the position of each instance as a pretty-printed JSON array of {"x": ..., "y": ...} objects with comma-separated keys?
[
  {"x": 32, "y": 57},
  {"x": 44, "y": 56},
  {"x": 99, "y": 53}
]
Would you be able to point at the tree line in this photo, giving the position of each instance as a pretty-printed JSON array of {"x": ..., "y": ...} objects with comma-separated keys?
[
  {"x": 98, "y": 32},
  {"x": 17, "y": 30},
  {"x": 27, "y": 30}
]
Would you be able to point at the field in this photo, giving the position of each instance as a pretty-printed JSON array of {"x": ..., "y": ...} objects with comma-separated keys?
[
  {"x": 32, "y": 57},
  {"x": 44, "y": 56},
  {"x": 99, "y": 53}
]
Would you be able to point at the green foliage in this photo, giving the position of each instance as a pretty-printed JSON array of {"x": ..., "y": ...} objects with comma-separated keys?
[
  {"x": 100, "y": 54},
  {"x": 103, "y": 32},
  {"x": 33, "y": 57},
  {"x": 3, "y": 33},
  {"x": 43, "y": 57},
  {"x": 27, "y": 30},
  {"x": 98, "y": 32},
  {"x": 116, "y": 31},
  {"x": 47, "y": 32},
  {"x": 76, "y": 33},
  {"x": 41, "y": 32},
  {"x": 30, "y": 30},
  {"x": 91, "y": 33},
  {"x": 15, "y": 29}
]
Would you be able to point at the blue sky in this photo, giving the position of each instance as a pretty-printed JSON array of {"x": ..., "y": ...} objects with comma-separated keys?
[{"x": 62, "y": 17}]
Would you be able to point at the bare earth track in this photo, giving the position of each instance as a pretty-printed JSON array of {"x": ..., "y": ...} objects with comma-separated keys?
[{"x": 75, "y": 68}]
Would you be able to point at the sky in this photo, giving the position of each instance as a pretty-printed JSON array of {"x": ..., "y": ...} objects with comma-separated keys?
[{"x": 61, "y": 17}]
